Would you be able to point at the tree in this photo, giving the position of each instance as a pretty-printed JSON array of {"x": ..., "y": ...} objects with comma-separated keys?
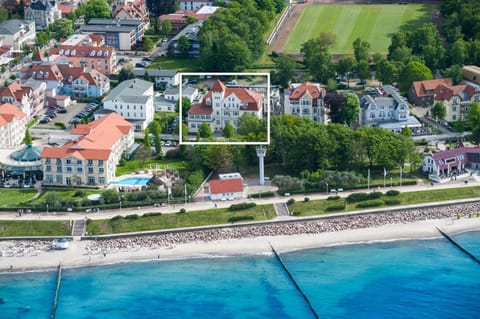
[
  {"x": 284, "y": 70},
  {"x": 183, "y": 46},
  {"x": 43, "y": 37},
  {"x": 159, "y": 7},
  {"x": 439, "y": 111},
  {"x": 454, "y": 72},
  {"x": 228, "y": 130},
  {"x": 97, "y": 9},
  {"x": 156, "y": 130},
  {"x": 345, "y": 66},
  {"x": 387, "y": 72},
  {"x": 186, "y": 105},
  {"x": 205, "y": 131},
  {"x": 406, "y": 131},
  {"x": 414, "y": 71},
  {"x": 250, "y": 124},
  {"x": 218, "y": 157},
  {"x": 146, "y": 139},
  {"x": 125, "y": 73},
  {"x": 363, "y": 69},
  {"x": 3, "y": 14},
  {"x": 317, "y": 58},
  {"x": 334, "y": 102},
  {"x": 351, "y": 109},
  {"x": 147, "y": 77},
  {"x": 148, "y": 44},
  {"x": 476, "y": 136},
  {"x": 166, "y": 27},
  {"x": 473, "y": 114},
  {"x": 361, "y": 50},
  {"x": 191, "y": 19},
  {"x": 61, "y": 29},
  {"x": 28, "y": 138}
]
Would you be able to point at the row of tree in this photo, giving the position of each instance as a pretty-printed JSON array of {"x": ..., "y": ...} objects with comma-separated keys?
[{"x": 233, "y": 38}]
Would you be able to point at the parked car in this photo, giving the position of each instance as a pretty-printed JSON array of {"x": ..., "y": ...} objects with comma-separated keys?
[
  {"x": 361, "y": 82},
  {"x": 141, "y": 64},
  {"x": 62, "y": 110},
  {"x": 147, "y": 59},
  {"x": 45, "y": 120}
]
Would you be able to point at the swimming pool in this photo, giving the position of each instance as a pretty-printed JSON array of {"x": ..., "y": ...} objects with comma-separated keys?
[{"x": 133, "y": 181}]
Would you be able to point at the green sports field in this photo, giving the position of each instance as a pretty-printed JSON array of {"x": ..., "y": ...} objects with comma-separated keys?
[{"x": 373, "y": 23}]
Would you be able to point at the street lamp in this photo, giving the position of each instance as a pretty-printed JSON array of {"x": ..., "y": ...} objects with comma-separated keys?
[
  {"x": 47, "y": 208},
  {"x": 327, "y": 187}
]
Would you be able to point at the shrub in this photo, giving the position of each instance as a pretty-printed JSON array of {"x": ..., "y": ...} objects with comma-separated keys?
[
  {"x": 357, "y": 197},
  {"x": 131, "y": 217},
  {"x": 182, "y": 211},
  {"x": 60, "y": 125},
  {"x": 392, "y": 192},
  {"x": 152, "y": 214},
  {"x": 295, "y": 213},
  {"x": 116, "y": 218},
  {"x": 234, "y": 219},
  {"x": 371, "y": 203},
  {"x": 260, "y": 195},
  {"x": 306, "y": 199},
  {"x": 333, "y": 197},
  {"x": 291, "y": 201},
  {"x": 79, "y": 194},
  {"x": 391, "y": 201},
  {"x": 241, "y": 206},
  {"x": 335, "y": 207},
  {"x": 375, "y": 195}
]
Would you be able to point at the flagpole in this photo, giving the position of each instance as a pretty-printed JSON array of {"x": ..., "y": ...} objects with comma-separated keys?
[
  {"x": 384, "y": 178},
  {"x": 401, "y": 172}
]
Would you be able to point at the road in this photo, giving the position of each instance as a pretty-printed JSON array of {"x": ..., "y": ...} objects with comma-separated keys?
[{"x": 203, "y": 204}]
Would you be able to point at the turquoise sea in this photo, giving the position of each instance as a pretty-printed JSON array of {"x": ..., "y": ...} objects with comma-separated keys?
[{"x": 400, "y": 279}]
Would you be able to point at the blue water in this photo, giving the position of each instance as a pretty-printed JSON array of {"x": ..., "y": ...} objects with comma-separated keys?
[
  {"x": 135, "y": 181},
  {"x": 403, "y": 279}
]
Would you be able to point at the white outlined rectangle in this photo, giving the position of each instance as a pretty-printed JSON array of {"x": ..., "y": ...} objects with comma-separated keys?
[{"x": 213, "y": 74}]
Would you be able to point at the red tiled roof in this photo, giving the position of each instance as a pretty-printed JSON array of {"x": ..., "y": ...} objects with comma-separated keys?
[
  {"x": 200, "y": 108},
  {"x": 218, "y": 86},
  {"x": 312, "y": 90},
  {"x": 220, "y": 186},
  {"x": 15, "y": 90},
  {"x": 95, "y": 141},
  {"x": 453, "y": 153},
  {"x": 253, "y": 99},
  {"x": 428, "y": 85},
  {"x": 41, "y": 70},
  {"x": 8, "y": 112}
]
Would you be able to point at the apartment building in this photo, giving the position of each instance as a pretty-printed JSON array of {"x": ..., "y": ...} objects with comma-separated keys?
[
  {"x": 91, "y": 156},
  {"x": 13, "y": 123},
  {"x": 306, "y": 99}
]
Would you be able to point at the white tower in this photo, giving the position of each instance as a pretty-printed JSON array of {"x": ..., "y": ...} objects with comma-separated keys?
[{"x": 261, "y": 151}]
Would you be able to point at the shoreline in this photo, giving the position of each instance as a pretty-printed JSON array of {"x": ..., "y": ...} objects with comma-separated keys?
[{"x": 75, "y": 255}]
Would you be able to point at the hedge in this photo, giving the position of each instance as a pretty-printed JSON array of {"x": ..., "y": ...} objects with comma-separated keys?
[
  {"x": 234, "y": 219},
  {"x": 260, "y": 195},
  {"x": 335, "y": 207},
  {"x": 371, "y": 203},
  {"x": 391, "y": 201},
  {"x": 333, "y": 197},
  {"x": 241, "y": 206},
  {"x": 392, "y": 192}
]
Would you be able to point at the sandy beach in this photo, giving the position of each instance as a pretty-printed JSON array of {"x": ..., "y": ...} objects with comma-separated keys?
[{"x": 37, "y": 256}]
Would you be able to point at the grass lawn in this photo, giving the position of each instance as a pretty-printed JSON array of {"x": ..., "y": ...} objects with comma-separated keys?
[
  {"x": 67, "y": 193},
  {"x": 140, "y": 164},
  {"x": 373, "y": 23},
  {"x": 181, "y": 65},
  {"x": 317, "y": 207},
  {"x": 14, "y": 197},
  {"x": 177, "y": 220},
  {"x": 13, "y": 228}
]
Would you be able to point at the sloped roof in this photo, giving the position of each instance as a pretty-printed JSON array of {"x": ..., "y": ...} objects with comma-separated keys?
[
  {"x": 307, "y": 88},
  {"x": 220, "y": 186},
  {"x": 12, "y": 26},
  {"x": 428, "y": 85},
  {"x": 15, "y": 90},
  {"x": 45, "y": 72},
  {"x": 453, "y": 153},
  {"x": 445, "y": 93},
  {"x": 8, "y": 113},
  {"x": 131, "y": 91},
  {"x": 95, "y": 139}
]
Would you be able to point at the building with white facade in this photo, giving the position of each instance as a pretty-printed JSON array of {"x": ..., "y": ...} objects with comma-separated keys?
[
  {"x": 163, "y": 79},
  {"x": 306, "y": 99},
  {"x": 13, "y": 124},
  {"x": 225, "y": 189},
  {"x": 132, "y": 99},
  {"x": 43, "y": 13},
  {"x": 389, "y": 111},
  {"x": 91, "y": 156},
  {"x": 222, "y": 105},
  {"x": 17, "y": 33}
]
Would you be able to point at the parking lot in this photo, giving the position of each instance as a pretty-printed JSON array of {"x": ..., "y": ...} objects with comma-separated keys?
[{"x": 65, "y": 118}]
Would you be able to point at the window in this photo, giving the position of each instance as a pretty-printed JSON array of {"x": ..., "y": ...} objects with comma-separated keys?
[
  {"x": 69, "y": 169},
  {"x": 59, "y": 169},
  {"x": 79, "y": 169},
  {"x": 91, "y": 180},
  {"x": 90, "y": 170},
  {"x": 59, "y": 161},
  {"x": 90, "y": 162},
  {"x": 68, "y": 181},
  {"x": 79, "y": 162},
  {"x": 68, "y": 161},
  {"x": 48, "y": 168},
  {"x": 101, "y": 180},
  {"x": 100, "y": 163},
  {"x": 47, "y": 161},
  {"x": 100, "y": 170},
  {"x": 59, "y": 179}
]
